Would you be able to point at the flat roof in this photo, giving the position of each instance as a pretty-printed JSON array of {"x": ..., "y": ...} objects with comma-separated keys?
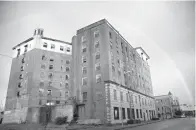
[{"x": 46, "y": 38}]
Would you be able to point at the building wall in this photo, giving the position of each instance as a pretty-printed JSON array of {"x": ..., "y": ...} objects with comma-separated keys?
[
  {"x": 115, "y": 52},
  {"x": 30, "y": 84}
]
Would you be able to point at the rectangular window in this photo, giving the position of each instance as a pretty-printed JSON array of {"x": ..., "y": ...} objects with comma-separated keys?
[
  {"x": 84, "y": 70},
  {"x": 123, "y": 113},
  {"x": 43, "y": 57},
  {"x": 121, "y": 96},
  {"x": 67, "y": 69},
  {"x": 84, "y": 49},
  {"x": 26, "y": 47},
  {"x": 21, "y": 76},
  {"x": 23, "y": 60},
  {"x": 97, "y": 67},
  {"x": 133, "y": 113},
  {"x": 135, "y": 99},
  {"x": 84, "y": 81},
  {"x": 97, "y": 56},
  {"x": 49, "y": 92},
  {"x": 45, "y": 45},
  {"x": 83, "y": 39},
  {"x": 67, "y": 62},
  {"x": 84, "y": 96},
  {"x": 68, "y": 49},
  {"x": 61, "y": 48},
  {"x": 18, "y": 52},
  {"x": 97, "y": 45},
  {"x": 110, "y": 35},
  {"x": 52, "y": 46},
  {"x": 19, "y": 85},
  {"x": 128, "y": 113},
  {"x": 96, "y": 34},
  {"x": 43, "y": 66},
  {"x": 127, "y": 94},
  {"x": 141, "y": 113},
  {"x": 51, "y": 59},
  {"x": 51, "y": 67},
  {"x": 57, "y": 102},
  {"x": 137, "y": 113},
  {"x": 22, "y": 68},
  {"x": 98, "y": 78},
  {"x": 116, "y": 113},
  {"x": 66, "y": 77},
  {"x": 115, "y": 94},
  {"x": 66, "y": 85},
  {"x": 84, "y": 59}
]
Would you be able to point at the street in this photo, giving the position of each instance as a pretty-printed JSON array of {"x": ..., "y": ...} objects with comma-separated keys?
[{"x": 174, "y": 124}]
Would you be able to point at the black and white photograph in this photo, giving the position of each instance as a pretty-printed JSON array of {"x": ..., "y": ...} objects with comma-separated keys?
[{"x": 97, "y": 65}]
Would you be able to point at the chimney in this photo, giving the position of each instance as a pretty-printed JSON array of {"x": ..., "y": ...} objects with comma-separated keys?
[{"x": 38, "y": 32}]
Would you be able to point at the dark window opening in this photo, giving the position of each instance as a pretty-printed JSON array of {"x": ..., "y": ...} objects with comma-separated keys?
[
  {"x": 68, "y": 49},
  {"x": 23, "y": 60},
  {"x": 50, "y": 75},
  {"x": 137, "y": 113},
  {"x": 52, "y": 46},
  {"x": 110, "y": 35},
  {"x": 84, "y": 96},
  {"x": 57, "y": 102},
  {"x": 67, "y": 69},
  {"x": 18, "y": 52},
  {"x": 26, "y": 47},
  {"x": 141, "y": 113},
  {"x": 45, "y": 45},
  {"x": 133, "y": 113},
  {"x": 61, "y": 48},
  {"x": 19, "y": 85},
  {"x": 18, "y": 94},
  {"x": 66, "y": 77},
  {"x": 128, "y": 113},
  {"x": 123, "y": 113},
  {"x": 51, "y": 67},
  {"x": 116, "y": 113},
  {"x": 67, "y": 61}
]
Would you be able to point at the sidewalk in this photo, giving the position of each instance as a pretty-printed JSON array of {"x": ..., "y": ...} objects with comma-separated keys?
[{"x": 113, "y": 127}]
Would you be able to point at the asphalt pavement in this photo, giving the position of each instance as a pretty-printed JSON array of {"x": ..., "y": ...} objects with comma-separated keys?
[{"x": 173, "y": 124}]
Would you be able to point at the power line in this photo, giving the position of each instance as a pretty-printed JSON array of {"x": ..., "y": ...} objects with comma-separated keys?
[{"x": 6, "y": 56}]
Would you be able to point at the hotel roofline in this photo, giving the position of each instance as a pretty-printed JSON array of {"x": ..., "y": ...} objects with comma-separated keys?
[{"x": 46, "y": 38}]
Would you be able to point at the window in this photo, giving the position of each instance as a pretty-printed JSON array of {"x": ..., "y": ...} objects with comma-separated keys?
[
  {"x": 96, "y": 34},
  {"x": 110, "y": 35},
  {"x": 133, "y": 113},
  {"x": 66, "y": 85},
  {"x": 61, "y": 68},
  {"x": 127, "y": 94},
  {"x": 141, "y": 113},
  {"x": 97, "y": 56},
  {"x": 51, "y": 67},
  {"x": 21, "y": 76},
  {"x": 49, "y": 92},
  {"x": 135, "y": 99},
  {"x": 43, "y": 57},
  {"x": 18, "y": 94},
  {"x": 84, "y": 81},
  {"x": 23, "y": 60},
  {"x": 43, "y": 66},
  {"x": 52, "y": 46},
  {"x": 83, "y": 39},
  {"x": 116, "y": 113},
  {"x": 67, "y": 62},
  {"x": 18, "y": 52},
  {"x": 26, "y": 47},
  {"x": 84, "y": 70},
  {"x": 67, "y": 69},
  {"x": 128, "y": 113},
  {"x": 96, "y": 45},
  {"x": 84, "y": 59},
  {"x": 115, "y": 94},
  {"x": 111, "y": 45},
  {"x": 22, "y": 68},
  {"x": 121, "y": 96},
  {"x": 123, "y": 113},
  {"x": 84, "y": 96},
  {"x": 51, "y": 59},
  {"x": 137, "y": 112},
  {"x": 117, "y": 52},
  {"x": 57, "y": 102},
  {"x": 113, "y": 67},
  {"x": 118, "y": 62},
  {"x": 98, "y": 78},
  {"x": 97, "y": 66},
  {"x": 45, "y": 45},
  {"x": 41, "y": 84},
  {"x": 66, "y": 77},
  {"x": 50, "y": 76},
  {"x": 68, "y": 49},
  {"x": 84, "y": 48},
  {"x": 19, "y": 85},
  {"x": 61, "y": 48}
]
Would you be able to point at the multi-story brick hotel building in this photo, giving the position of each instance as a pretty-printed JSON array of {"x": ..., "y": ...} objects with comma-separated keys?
[
  {"x": 109, "y": 78},
  {"x": 108, "y": 72}
]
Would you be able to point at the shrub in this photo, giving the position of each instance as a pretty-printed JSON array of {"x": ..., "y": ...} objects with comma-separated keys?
[
  {"x": 61, "y": 120},
  {"x": 130, "y": 121},
  {"x": 155, "y": 118}
]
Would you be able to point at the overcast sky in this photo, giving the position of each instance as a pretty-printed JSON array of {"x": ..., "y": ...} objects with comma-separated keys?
[{"x": 164, "y": 29}]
